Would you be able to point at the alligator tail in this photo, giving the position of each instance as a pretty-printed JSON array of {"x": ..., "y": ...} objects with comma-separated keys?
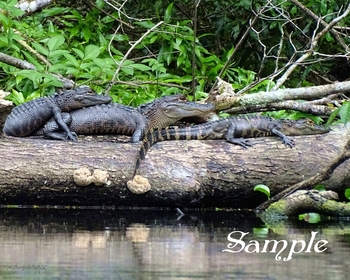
[
  {"x": 151, "y": 137},
  {"x": 155, "y": 135}
]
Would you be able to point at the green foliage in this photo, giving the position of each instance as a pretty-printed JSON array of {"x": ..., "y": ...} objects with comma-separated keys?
[
  {"x": 80, "y": 43},
  {"x": 264, "y": 189},
  {"x": 261, "y": 232},
  {"x": 343, "y": 112},
  {"x": 293, "y": 115},
  {"x": 75, "y": 44},
  {"x": 320, "y": 188},
  {"x": 347, "y": 193}
]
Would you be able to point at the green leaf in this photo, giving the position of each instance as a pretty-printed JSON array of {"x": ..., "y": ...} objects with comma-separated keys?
[
  {"x": 264, "y": 189},
  {"x": 344, "y": 112},
  {"x": 168, "y": 13},
  {"x": 332, "y": 117},
  {"x": 52, "y": 11},
  {"x": 347, "y": 193},
  {"x": 320, "y": 188},
  {"x": 86, "y": 66},
  {"x": 140, "y": 66},
  {"x": 5, "y": 20},
  {"x": 40, "y": 49},
  {"x": 91, "y": 52},
  {"x": 87, "y": 33},
  {"x": 261, "y": 231},
  {"x": 145, "y": 24},
  {"x": 58, "y": 53},
  {"x": 79, "y": 53},
  {"x": 55, "y": 42},
  {"x": 72, "y": 60},
  {"x": 128, "y": 70},
  {"x": 58, "y": 68},
  {"x": 50, "y": 80},
  {"x": 16, "y": 97}
]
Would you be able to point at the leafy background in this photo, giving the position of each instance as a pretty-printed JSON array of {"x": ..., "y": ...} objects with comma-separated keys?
[{"x": 87, "y": 41}]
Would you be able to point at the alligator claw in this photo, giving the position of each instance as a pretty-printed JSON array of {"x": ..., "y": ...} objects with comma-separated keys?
[
  {"x": 72, "y": 136},
  {"x": 244, "y": 143},
  {"x": 288, "y": 142}
]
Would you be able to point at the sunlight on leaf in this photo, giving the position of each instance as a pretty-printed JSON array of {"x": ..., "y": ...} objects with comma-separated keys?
[
  {"x": 347, "y": 193},
  {"x": 264, "y": 189}
]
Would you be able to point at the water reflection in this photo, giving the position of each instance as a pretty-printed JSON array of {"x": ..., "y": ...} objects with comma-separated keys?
[{"x": 149, "y": 244}]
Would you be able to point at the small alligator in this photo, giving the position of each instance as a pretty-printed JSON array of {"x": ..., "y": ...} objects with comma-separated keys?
[
  {"x": 233, "y": 129},
  {"x": 119, "y": 119},
  {"x": 30, "y": 116}
]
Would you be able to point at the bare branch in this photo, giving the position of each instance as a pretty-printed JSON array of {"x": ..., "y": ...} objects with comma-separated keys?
[
  {"x": 306, "y": 107},
  {"x": 313, "y": 45},
  {"x": 138, "y": 83},
  {"x": 127, "y": 54},
  {"x": 334, "y": 33},
  {"x": 16, "y": 62},
  {"x": 237, "y": 47},
  {"x": 228, "y": 100}
]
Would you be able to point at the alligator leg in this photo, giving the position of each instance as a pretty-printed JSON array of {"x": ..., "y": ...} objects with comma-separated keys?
[
  {"x": 58, "y": 117},
  {"x": 285, "y": 140},
  {"x": 237, "y": 141},
  {"x": 52, "y": 130}
]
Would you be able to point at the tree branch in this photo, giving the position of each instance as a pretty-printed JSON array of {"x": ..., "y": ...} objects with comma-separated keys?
[
  {"x": 313, "y": 45},
  {"x": 120, "y": 64}
]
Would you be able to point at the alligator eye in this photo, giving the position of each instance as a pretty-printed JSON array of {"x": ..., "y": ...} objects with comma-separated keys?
[
  {"x": 182, "y": 98},
  {"x": 309, "y": 121}
]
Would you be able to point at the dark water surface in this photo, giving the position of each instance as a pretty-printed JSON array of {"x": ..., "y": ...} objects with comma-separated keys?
[{"x": 154, "y": 244}]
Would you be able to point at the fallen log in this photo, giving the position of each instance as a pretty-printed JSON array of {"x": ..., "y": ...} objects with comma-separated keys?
[
  {"x": 181, "y": 173},
  {"x": 306, "y": 201}
]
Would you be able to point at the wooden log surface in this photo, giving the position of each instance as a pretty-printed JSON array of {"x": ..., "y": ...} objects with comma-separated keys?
[{"x": 182, "y": 173}]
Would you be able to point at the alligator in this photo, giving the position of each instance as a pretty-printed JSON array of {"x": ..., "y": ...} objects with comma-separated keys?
[
  {"x": 28, "y": 117},
  {"x": 234, "y": 129},
  {"x": 115, "y": 118}
]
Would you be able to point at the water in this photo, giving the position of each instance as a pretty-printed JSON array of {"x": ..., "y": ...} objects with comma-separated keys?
[{"x": 150, "y": 244}]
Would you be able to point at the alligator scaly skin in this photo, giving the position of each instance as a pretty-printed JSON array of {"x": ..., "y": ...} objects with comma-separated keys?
[
  {"x": 30, "y": 116},
  {"x": 233, "y": 129},
  {"x": 119, "y": 119},
  {"x": 102, "y": 119}
]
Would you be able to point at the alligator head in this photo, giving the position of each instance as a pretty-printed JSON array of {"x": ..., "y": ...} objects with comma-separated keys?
[
  {"x": 169, "y": 109},
  {"x": 79, "y": 98},
  {"x": 301, "y": 127}
]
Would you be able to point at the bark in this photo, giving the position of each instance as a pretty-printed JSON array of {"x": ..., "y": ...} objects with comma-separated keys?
[
  {"x": 19, "y": 63},
  {"x": 181, "y": 173},
  {"x": 31, "y": 6},
  {"x": 228, "y": 99}
]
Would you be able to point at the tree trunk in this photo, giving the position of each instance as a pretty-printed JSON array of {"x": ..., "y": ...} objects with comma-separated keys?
[{"x": 181, "y": 173}]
